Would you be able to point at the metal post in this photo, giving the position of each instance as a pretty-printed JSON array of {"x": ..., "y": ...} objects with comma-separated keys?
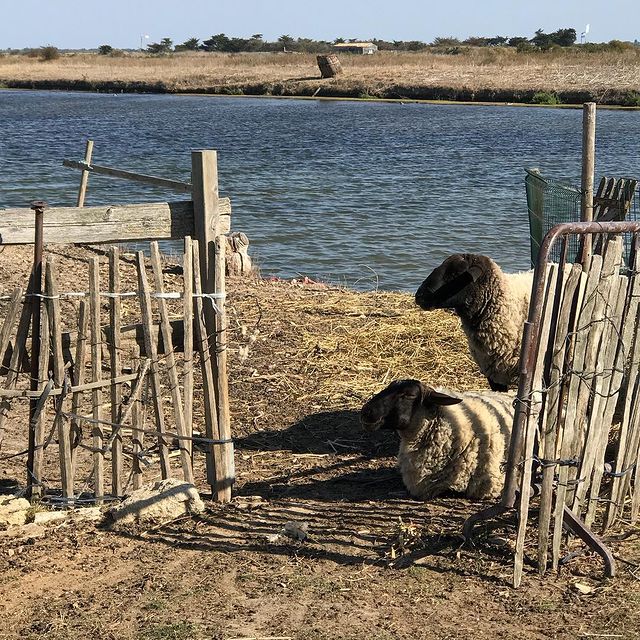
[{"x": 35, "y": 301}]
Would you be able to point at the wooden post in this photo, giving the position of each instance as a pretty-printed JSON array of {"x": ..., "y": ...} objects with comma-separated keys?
[
  {"x": 187, "y": 270},
  {"x": 84, "y": 179},
  {"x": 115, "y": 312},
  {"x": 222, "y": 383},
  {"x": 588, "y": 168},
  {"x": 96, "y": 375},
  {"x": 55, "y": 331}
]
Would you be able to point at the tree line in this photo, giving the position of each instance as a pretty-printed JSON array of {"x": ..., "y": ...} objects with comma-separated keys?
[{"x": 256, "y": 43}]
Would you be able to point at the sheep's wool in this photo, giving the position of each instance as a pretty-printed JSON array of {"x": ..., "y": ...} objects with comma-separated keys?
[
  {"x": 495, "y": 338},
  {"x": 461, "y": 448}
]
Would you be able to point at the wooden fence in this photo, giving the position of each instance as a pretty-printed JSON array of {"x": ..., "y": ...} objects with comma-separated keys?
[{"x": 118, "y": 357}]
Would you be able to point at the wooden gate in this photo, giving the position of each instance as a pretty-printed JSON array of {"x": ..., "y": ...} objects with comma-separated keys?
[{"x": 106, "y": 362}]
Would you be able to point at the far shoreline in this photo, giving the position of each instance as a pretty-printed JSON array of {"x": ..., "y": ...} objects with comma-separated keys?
[{"x": 142, "y": 88}]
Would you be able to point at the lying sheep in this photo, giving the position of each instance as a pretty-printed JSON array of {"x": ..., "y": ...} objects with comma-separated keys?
[
  {"x": 447, "y": 441},
  {"x": 492, "y": 305}
]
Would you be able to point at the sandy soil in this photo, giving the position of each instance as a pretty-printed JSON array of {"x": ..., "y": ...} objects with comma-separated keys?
[{"x": 376, "y": 564}]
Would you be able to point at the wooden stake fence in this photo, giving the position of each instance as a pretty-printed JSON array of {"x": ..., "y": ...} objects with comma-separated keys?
[{"x": 72, "y": 344}]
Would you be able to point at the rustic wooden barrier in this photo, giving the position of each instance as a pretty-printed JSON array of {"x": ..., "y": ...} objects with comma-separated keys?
[
  {"x": 111, "y": 402},
  {"x": 576, "y": 435}
]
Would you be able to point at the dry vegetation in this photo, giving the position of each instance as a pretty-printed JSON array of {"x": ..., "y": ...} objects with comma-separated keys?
[
  {"x": 475, "y": 74},
  {"x": 376, "y": 564}
]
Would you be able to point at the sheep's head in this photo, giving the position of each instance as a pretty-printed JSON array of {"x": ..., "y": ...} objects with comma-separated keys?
[
  {"x": 449, "y": 285},
  {"x": 396, "y": 406}
]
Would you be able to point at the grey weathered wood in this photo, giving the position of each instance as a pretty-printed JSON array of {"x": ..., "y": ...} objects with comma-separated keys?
[
  {"x": 553, "y": 407},
  {"x": 534, "y": 408},
  {"x": 79, "y": 367},
  {"x": 147, "y": 320},
  {"x": 138, "y": 415},
  {"x": 104, "y": 224},
  {"x": 115, "y": 313},
  {"x": 41, "y": 422},
  {"x": 187, "y": 315},
  {"x": 12, "y": 312},
  {"x": 55, "y": 331},
  {"x": 84, "y": 178},
  {"x": 214, "y": 459},
  {"x": 96, "y": 375},
  {"x": 170, "y": 361},
  {"x": 175, "y": 185},
  {"x": 588, "y": 165},
  {"x": 222, "y": 381}
]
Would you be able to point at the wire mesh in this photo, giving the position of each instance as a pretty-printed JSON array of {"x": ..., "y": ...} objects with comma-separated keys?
[{"x": 551, "y": 201}]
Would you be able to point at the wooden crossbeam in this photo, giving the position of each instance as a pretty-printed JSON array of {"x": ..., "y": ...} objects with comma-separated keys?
[{"x": 103, "y": 224}]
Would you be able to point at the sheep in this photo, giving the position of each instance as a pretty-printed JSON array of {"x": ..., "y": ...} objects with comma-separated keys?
[
  {"x": 492, "y": 306},
  {"x": 447, "y": 441}
]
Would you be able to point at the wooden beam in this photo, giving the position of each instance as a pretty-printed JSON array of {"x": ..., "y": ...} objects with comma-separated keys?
[
  {"x": 84, "y": 178},
  {"x": 99, "y": 225},
  {"x": 176, "y": 185}
]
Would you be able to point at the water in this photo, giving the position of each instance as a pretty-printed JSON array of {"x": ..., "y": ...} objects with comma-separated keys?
[{"x": 359, "y": 194}]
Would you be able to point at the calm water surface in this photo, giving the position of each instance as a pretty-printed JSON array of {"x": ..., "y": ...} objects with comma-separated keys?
[{"x": 362, "y": 194}]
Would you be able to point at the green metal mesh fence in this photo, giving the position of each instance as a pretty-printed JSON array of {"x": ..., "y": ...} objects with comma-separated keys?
[{"x": 551, "y": 201}]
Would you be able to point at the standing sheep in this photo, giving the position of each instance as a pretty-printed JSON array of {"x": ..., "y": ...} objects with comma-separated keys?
[
  {"x": 492, "y": 305},
  {"x": 447, "y": 441}
]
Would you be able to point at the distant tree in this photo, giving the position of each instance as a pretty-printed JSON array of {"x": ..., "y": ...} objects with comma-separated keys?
[
  {"x": 105, "y": 49},
  {"x": 446, "y": 42},
  {"x": 257, "y": 36},
  {"x": 164, "y": 46},
  {"x": 192, "y": 44},
  {"x": 338, "y": 41},
  {"x": 564, "y": 37},
  {"x": 541, "y": 40},
  {"x": 49, "y": 53},
  {"x": 497, "y": 41},
  {"x": 287, "y": 42},
  {"x": 517, "y": 40},
  {"x": 476, "y": 41},
  {"x": 219, "y": 42}
]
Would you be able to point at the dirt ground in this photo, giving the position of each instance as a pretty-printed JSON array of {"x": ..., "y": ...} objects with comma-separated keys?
[{"x": 374, "y": 564}]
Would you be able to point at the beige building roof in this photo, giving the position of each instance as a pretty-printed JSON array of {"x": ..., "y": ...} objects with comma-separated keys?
[{"x": 354, "y": 44}]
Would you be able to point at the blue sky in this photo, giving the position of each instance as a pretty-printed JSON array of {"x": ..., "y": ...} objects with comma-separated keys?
[{"x": 121, "y": 23}]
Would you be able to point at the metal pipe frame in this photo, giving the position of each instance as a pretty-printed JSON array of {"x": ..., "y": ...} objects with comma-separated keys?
[{"x": 530, "y": 339}]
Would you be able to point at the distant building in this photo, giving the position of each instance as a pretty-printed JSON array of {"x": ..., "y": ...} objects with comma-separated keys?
[{"x": 365, "y": 48}]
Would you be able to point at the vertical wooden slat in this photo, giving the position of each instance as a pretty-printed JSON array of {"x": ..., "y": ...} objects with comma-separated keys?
[
  {"x": 187, "y": 268},
  {"x": 13, "y": 308},
  {"x": 534, "y": 409},
  {"x": 55, "y": 331},
  {"x": 79, "y": 365},
  {"x": 170, "y": 361},
  {"x": 553, "y": 408},
  {"x": 41, "y": 422},
  {"x": 151, "y": 348},
  {"x": 138, "y": 414},
  {"x": 214, "y": 458},
  {"x": 222, "y": 381},
  {"x": 96, "y": 375},
  {"x": 84, "y": 178},
  {"x": 115, "y": 314}
]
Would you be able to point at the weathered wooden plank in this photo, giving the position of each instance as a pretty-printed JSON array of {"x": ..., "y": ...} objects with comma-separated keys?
[
  {"x": 170, "y": 361},
  {"x": 84, "y": 178},
  {"x": 175, "y": 185},
  {"x": 553, "y": 407},
  {"x": 213, "y": 453},
  {"x": 534, "y": 405},
  {"x": 104, "y": 224},
  {"x": 41, "y": 421},
  {"x": 55, "y": 331},
  {"x": 222, "y": 381},
  {"x": 115, "y": 313},
  {"x": 96, "y": 375},
  {"x": 147, "y": 319},
  {"x": 79, "y": 365},
  {"x": 187, "y": 316}
]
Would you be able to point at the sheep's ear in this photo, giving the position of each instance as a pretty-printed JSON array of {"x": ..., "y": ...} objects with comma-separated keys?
[{"x": 441, "y": 398}]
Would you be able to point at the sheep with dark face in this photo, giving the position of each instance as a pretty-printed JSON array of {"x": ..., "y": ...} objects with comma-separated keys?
[
  {"x": 448, "y": 441},
  {"x": 492, "y": 306}
]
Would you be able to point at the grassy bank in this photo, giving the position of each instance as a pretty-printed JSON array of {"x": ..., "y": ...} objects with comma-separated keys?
[{"x": 482, "y": 75}]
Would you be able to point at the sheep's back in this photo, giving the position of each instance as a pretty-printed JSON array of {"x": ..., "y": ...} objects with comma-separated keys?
[{"x": 462, "y": 450}]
